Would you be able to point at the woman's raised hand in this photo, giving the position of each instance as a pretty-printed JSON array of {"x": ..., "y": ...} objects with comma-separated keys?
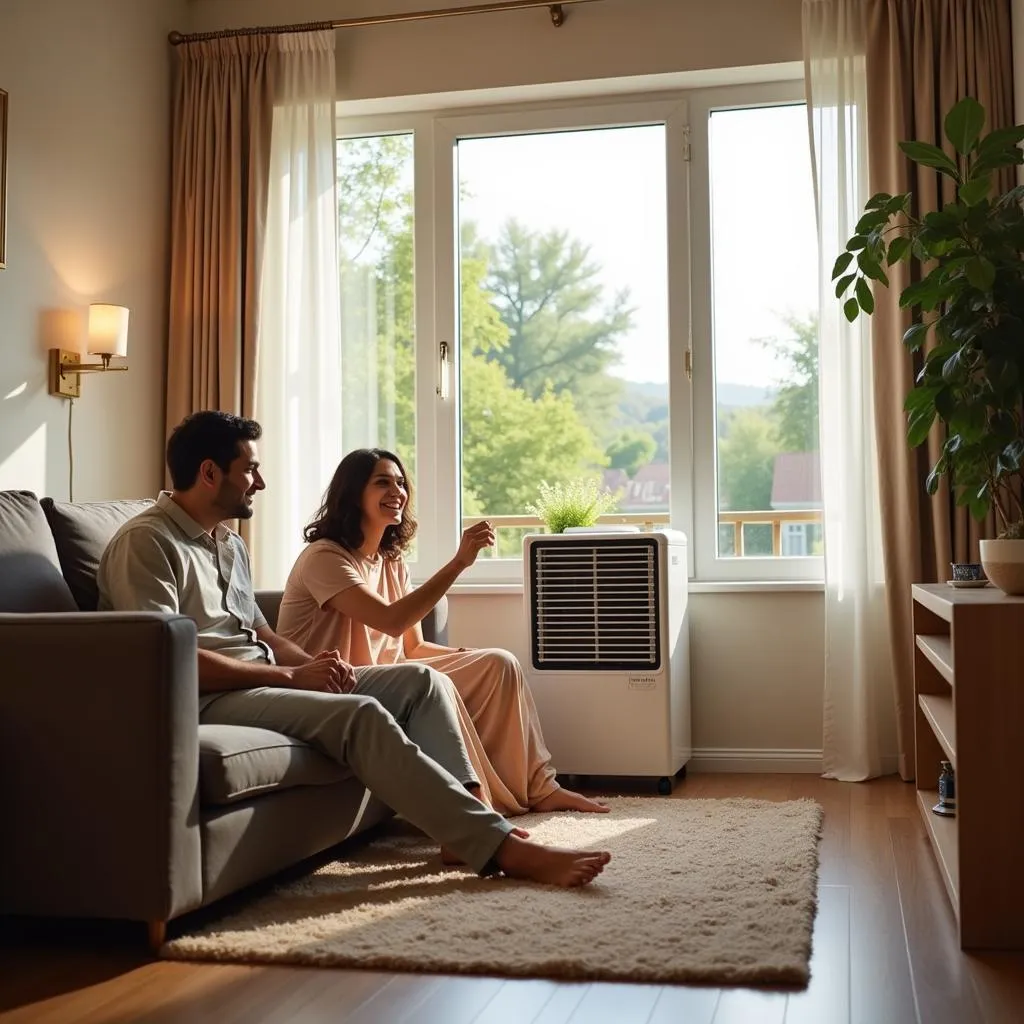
[{"x": 473, "y": 539}]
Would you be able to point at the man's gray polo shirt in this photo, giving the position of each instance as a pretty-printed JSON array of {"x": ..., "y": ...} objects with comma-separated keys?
[{"x": 162, "y": 560}]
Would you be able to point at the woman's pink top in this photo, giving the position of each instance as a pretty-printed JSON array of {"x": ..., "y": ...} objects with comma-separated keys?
[{"x": 323, "y": 570}]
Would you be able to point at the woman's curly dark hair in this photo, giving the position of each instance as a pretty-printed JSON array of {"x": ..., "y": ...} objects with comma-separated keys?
[{"x": 340, "y": 517}]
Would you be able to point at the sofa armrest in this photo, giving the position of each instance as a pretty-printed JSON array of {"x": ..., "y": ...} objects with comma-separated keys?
[
  {"x": 99, "y": 765},
  {"x": 269, "y": 602},
  {"x": 435, "y": 623}
]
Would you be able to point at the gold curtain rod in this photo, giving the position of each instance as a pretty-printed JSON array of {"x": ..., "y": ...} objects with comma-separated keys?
[{"x": 557, "y": 19}]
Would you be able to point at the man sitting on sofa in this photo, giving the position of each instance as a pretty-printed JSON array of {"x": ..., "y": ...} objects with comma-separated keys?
[{"x": 178, "y": 556}]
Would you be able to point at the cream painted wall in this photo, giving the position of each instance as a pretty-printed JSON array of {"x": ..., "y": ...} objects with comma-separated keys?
[
  {"x": 613, "y": 38},
  {"x": 87, "y": 221},
  {"x": 755, "y": 663}
]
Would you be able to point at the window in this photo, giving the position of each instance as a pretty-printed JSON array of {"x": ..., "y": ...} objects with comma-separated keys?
[
  {"x": 755, "y": 340},
  {"x": 569, "y": 261},
  {"x": 563, "y": 319}
]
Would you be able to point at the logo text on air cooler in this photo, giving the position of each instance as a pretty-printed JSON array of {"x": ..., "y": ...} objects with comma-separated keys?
[{"x": 642, "y": 682}]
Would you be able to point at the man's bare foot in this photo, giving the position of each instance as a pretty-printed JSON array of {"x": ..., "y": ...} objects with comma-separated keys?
[
  {"x": 519, "y": 858},
  {"x": 452, "y": 859},
  {"x": 569, "y": 800}
]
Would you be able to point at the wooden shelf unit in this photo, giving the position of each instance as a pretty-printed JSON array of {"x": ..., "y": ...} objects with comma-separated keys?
[{"x": 969, "y": 709}]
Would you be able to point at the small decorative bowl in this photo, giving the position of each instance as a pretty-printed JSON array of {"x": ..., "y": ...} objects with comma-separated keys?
[{"x": 967, "y": 572}]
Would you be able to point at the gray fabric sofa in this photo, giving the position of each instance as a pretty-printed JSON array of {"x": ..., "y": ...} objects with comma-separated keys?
[{"x": 116, "y": 803}]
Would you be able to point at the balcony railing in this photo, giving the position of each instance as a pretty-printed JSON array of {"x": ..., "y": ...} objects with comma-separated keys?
[{"x": 649, "y": 520}]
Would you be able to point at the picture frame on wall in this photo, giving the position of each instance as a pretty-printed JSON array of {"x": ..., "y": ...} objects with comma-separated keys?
[{"x": 3, "y": 179}]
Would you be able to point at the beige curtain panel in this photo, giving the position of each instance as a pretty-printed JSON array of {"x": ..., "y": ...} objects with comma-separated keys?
[
  {"x": 922, "y": 57},
  {"x": 222, "y": 115}
]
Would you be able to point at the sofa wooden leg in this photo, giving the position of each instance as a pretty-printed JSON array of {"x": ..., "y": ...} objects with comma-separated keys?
[{"x": 157, "y": 934}]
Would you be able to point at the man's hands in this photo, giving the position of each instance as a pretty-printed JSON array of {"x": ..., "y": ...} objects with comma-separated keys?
[
  {"x": 473, "y": 540},
  {"x": 325, "y": 672}
]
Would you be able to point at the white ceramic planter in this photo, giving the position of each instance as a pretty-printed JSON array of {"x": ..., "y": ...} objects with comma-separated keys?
[{"x": 1003, "y": 562}]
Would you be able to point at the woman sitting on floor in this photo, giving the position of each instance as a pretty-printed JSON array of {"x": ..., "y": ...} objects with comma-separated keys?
[{"x": 349, "y": 590}]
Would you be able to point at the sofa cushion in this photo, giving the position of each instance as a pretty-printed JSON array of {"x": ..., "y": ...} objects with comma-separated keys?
[
  {"x": 81, "y": 530},
  {"x": 237, "y": 762},
  {"x": 30, "y": 579}
]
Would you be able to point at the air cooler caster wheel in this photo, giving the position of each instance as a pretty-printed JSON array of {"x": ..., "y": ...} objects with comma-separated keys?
[{"x": 665, "y": 786}]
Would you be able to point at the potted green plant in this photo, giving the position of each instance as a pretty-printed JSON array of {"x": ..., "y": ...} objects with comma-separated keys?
[
  {"x": 970, "y": 300},
  {"x": 574, "y": 503}
]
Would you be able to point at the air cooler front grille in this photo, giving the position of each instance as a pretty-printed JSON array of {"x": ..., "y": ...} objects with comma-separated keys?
[{"x": 595, "y": 604}]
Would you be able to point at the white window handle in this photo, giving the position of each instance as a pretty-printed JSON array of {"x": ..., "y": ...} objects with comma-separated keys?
[{"x": 445, "y": 373}]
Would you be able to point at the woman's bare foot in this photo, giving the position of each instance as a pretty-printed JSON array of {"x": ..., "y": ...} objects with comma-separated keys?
[
  {"x": 452, "y": 859},
  {"x": 551, "y": 865},
  {"x": 569, "y": 800}
]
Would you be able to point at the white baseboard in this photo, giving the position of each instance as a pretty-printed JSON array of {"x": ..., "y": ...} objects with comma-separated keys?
[
  {"x": 789, "y": 762},
  {"x": 733, "y": 759}
]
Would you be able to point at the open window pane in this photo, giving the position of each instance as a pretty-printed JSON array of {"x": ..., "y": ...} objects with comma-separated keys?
[
  {"x": 564, "y": 320},
  {"x": 764, "y": 298},
  {"x": 375, "y": 238}
]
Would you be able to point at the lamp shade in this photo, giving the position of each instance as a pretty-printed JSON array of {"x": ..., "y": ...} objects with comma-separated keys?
[{"x": 108, "y": 330}]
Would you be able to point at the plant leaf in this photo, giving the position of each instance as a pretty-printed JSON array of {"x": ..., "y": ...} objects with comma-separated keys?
[
  {"x": 1001, "y": 158},
  {"x": 981, "y": 273},
  {"x": 843, "y": 260},
  {"x": 897, "y": 249},
  {"x": 979, "y": 506},
  {"x": 918, "y": 425},
  {"x": 938, "y": 355},
  {"x": 1013, "y": 454},
  {"x": 864, "y": 296},
  {"x": 930, "y": 156},
  {"x": 871, "y": 220},
  {"x": 951, "y": 367},
  {"x": 963, "y": 124},
  {"x": 843, "y": 283},
  {"x": 878, "y": 200},
  {"x": 898, "y": 203},
  {"x": 975, "y": 190},
  {"x": 918, "y": 399},
  {"x": 1001, "y": 139},
  {"x": 870, "y": 267},
  {"x": 851, "y": 309},
  {"x": 915, "y": 335},
  {"x": 942, "y": 225},
  {"x": 921, "y": 293},
  {"x": 945, "y": 406},
  {"x": 857, "y": 242}
]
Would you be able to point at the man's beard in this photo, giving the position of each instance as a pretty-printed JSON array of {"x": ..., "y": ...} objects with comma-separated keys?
[{"x": 234, "y": 505}]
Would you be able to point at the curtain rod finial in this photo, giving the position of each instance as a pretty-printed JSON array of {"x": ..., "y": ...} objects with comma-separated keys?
[
  {"x": 557, "y": 15},
  {"x": 174, "y": 38}
]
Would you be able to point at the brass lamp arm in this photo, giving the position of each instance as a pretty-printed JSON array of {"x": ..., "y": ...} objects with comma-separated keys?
[
  {"x": 65, "y": 368},
  {"x": 103, "y": 367}
]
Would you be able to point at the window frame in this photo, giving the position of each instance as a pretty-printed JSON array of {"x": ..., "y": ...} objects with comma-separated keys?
[
  {"x": 709, "y": 566},
  {"x": 429, "y": 513},
  {"x": 538, "y": 119},
  {"x": 685, "y": 113}
]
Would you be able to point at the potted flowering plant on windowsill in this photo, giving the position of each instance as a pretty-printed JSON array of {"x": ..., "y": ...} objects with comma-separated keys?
[
  {"x": 970, "y": 298},
  {"x": 575, "y": 503}
]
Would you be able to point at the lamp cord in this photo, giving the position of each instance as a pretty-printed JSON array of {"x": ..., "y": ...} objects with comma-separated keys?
[{"x": 71, "y": 455}]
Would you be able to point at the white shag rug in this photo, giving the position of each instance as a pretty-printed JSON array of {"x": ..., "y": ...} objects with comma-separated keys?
[{"x": 712, "y": 891}]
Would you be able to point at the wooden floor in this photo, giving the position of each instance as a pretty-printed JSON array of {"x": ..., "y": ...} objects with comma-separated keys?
[{"x": 884, "y": 953}]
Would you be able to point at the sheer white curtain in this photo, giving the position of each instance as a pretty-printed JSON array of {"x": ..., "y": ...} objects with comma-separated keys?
[
  {"x": 298, "y": 372},
  {"x": 859, "y": 707}
]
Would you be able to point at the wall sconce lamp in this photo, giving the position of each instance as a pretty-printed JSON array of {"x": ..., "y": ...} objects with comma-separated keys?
[{"x": 107, "y": 337}]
